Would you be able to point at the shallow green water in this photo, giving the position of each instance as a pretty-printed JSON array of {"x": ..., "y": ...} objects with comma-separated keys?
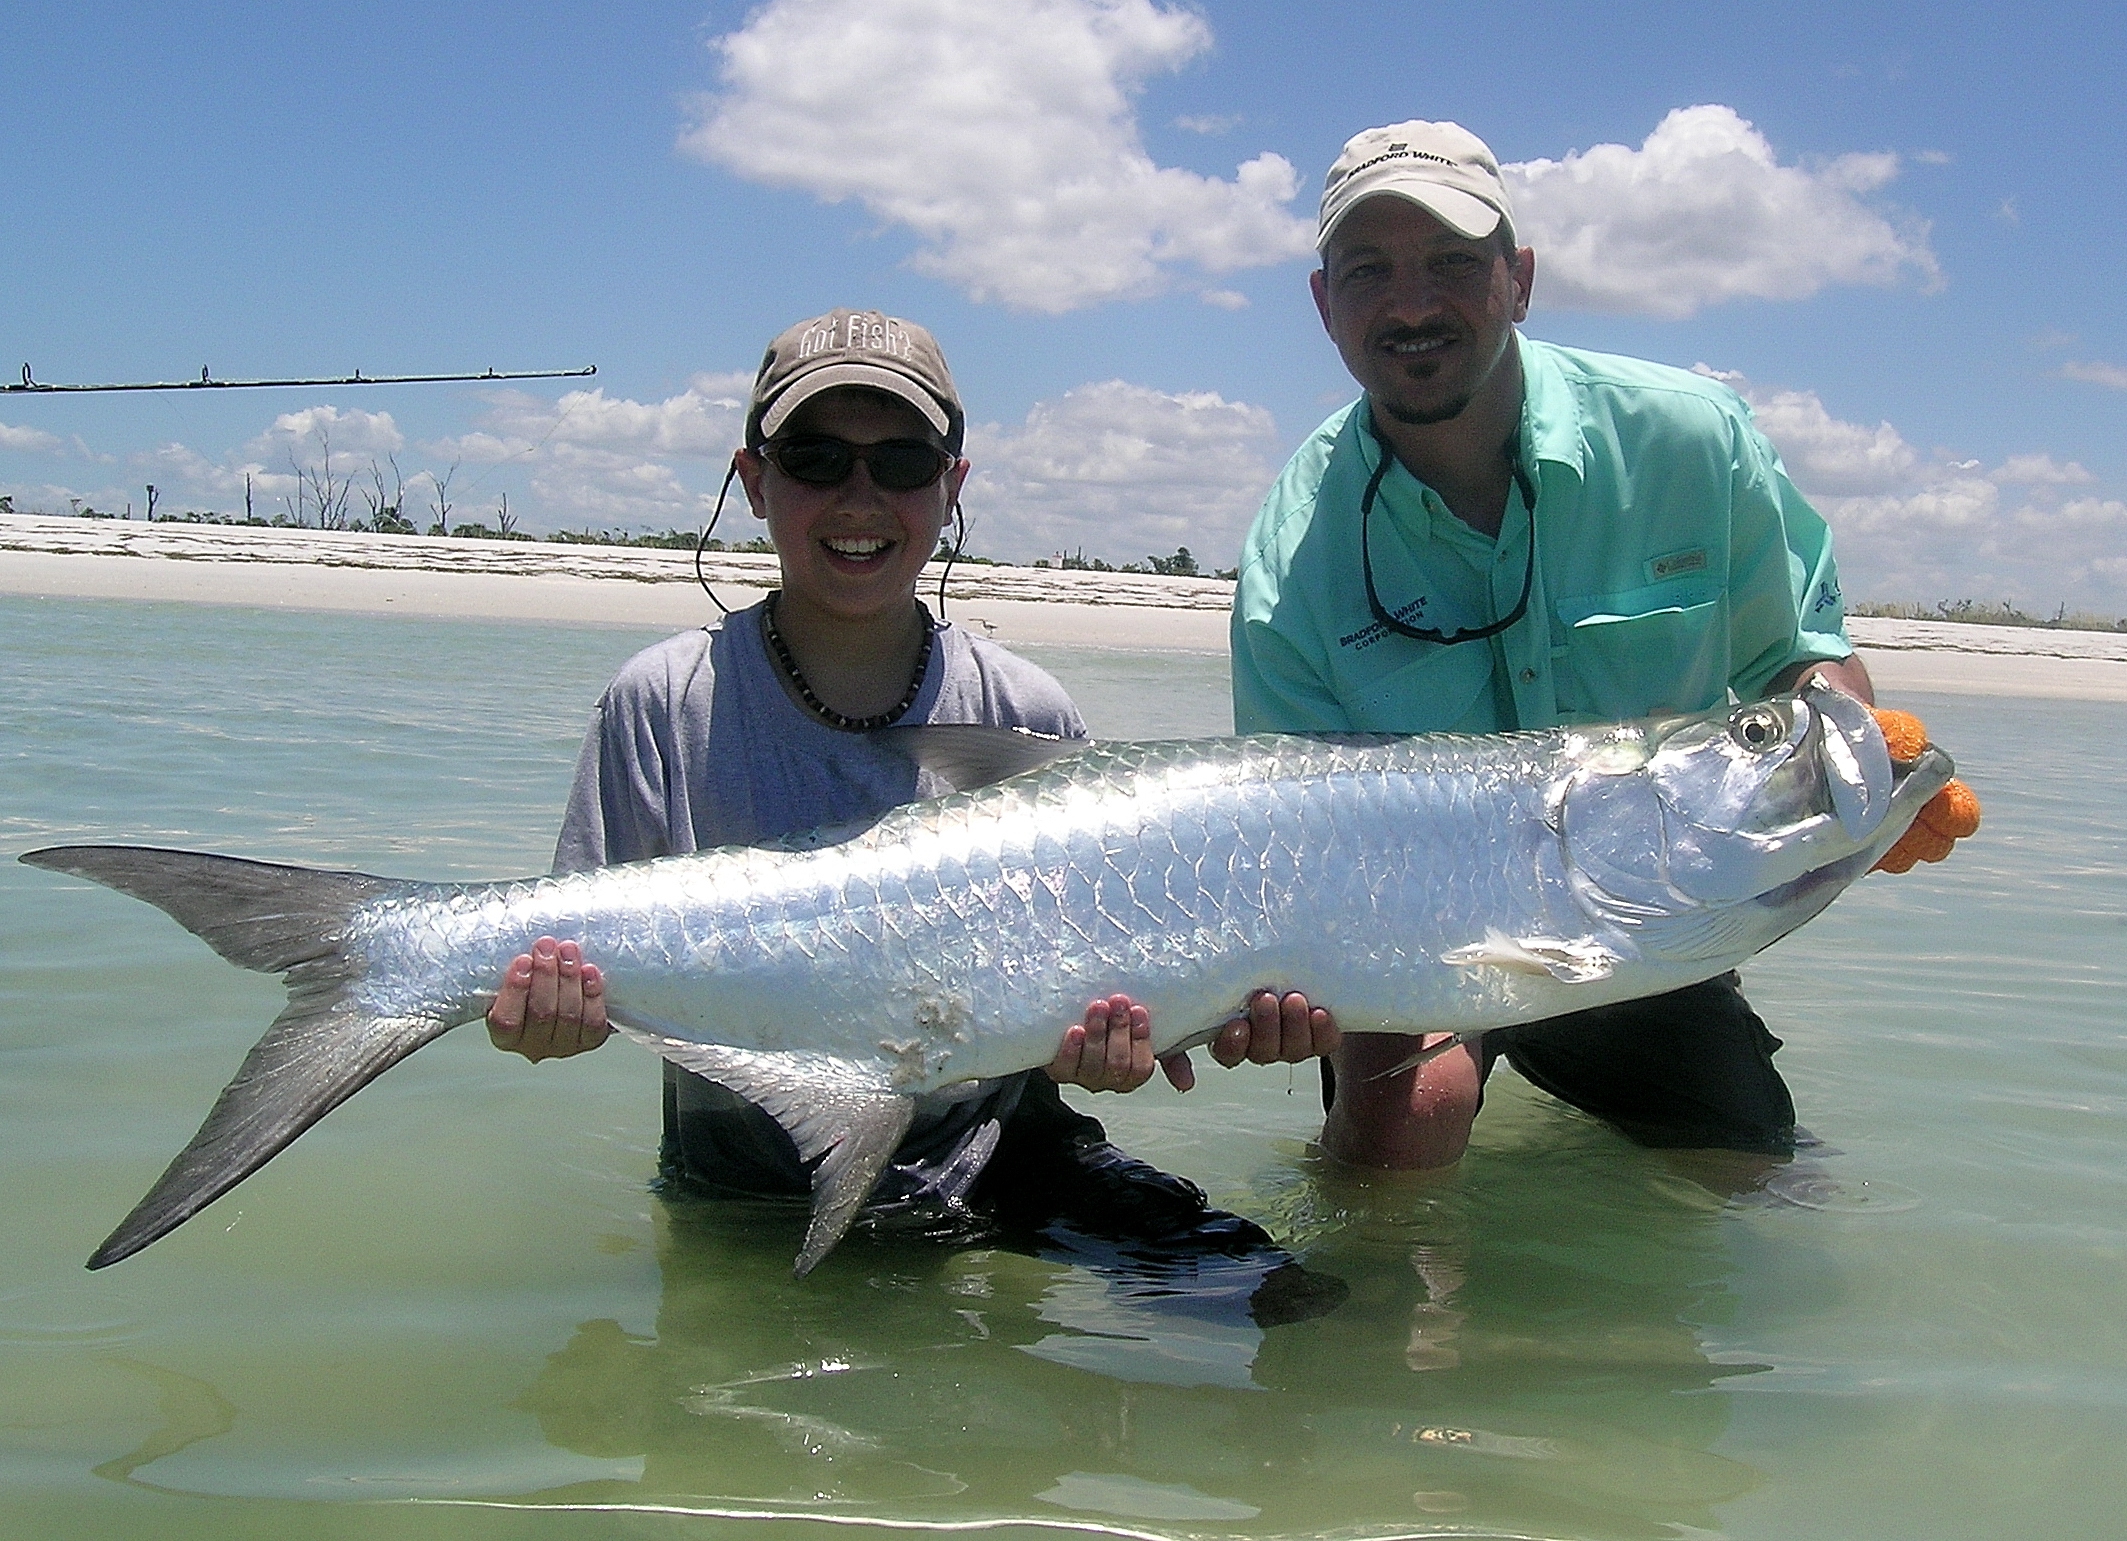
[{"x": 457, "y": 1292}]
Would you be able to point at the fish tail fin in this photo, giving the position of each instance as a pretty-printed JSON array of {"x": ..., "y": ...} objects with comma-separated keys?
[{"x": 323, "y": 1048}]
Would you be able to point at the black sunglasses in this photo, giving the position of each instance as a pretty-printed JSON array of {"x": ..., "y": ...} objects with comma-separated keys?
[
  {"x": 1366, "y": 558},
  {"x": 896, "y": 465}
]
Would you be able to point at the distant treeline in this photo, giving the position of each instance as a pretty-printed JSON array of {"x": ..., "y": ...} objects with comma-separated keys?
[
  {"x": 387, "y": 520},
  {"x": 1979, "y": 612}
]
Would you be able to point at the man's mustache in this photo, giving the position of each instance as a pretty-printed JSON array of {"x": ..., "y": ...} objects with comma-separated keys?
[{"x": 1435, "y": 331}]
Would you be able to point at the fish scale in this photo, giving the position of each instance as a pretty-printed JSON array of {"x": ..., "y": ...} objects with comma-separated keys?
[{"x": 1417, "y": 885}]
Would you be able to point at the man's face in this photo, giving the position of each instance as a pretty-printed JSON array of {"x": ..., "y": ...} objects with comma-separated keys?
[{"x": 1423, "y": 317}]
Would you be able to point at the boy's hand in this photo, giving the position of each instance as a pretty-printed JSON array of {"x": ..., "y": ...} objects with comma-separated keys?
[{"x": 551, "y": 1005}]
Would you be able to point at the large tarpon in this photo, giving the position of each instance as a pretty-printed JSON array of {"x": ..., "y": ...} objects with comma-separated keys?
[{"x": 1412, "y": 884}]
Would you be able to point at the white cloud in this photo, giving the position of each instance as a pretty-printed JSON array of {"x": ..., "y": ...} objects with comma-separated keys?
[
  {"x": 1002, "y": 133},
  {"x": 2103, "y": 516},
  {"x": 1822, "y": 453},
  {"x": 605, "y": 461},
  {"x": 306, "y": 434},
  {"x": 1209, "y": 122},
  {"x": 2111, "y": 375},
  {"x": 1703, "y": 212},
  {"x": 702, "y": 422},
  {"x": 1919, "y": 528},
  {"x": 2040, "y": 471},
  {"x": 31, "y": 441},
  {"x": 1123, "y": 472}
]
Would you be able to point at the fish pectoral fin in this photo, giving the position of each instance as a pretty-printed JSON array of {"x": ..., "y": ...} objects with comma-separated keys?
[
  {"x": 836, "y": 1110},
  {"x": 1715, "y": 931},
  {"x": 1569, "y": 962}
]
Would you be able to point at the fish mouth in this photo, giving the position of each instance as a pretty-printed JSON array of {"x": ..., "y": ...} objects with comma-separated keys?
[{"x": 1913, "y": 783}]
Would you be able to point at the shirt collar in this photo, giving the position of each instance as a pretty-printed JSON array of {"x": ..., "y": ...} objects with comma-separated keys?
[{"x": 1550, "y": 411}]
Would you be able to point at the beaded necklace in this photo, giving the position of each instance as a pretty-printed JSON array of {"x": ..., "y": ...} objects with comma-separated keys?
[{"x": 821, "y": 709}]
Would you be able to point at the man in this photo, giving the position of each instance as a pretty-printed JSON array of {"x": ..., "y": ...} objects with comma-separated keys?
[{"x": 1505, "y": 534}]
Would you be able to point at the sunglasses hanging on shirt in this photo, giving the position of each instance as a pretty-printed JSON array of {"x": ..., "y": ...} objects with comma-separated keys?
[{"x": 1366, "y": 557}]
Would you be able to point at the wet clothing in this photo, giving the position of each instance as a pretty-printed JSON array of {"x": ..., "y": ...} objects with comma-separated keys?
[
  {"x": 697, "y": 744},
  {"x": 1675, "y": 563},
  {"x": 1675, "y": 568},
  {"x": 1689, "y": 1069}
]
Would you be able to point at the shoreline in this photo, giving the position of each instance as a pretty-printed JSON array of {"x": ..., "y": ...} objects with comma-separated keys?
[{"x": 446, "y": 576}]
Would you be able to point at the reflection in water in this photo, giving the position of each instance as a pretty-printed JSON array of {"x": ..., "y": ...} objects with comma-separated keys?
[
  {"x": 191, "y": 1411},
  {"x": 1518, "y": 1348}
]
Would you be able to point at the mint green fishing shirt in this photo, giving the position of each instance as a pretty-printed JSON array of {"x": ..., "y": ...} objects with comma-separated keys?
[{"x": 1675, "y": 564}]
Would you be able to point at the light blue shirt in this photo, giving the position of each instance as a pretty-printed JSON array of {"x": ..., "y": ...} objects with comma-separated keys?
[{"x": 1676, "y": 567}]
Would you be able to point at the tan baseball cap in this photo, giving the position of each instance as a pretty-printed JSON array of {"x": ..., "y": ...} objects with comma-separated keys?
[
  {"x": 854, "y": 347},
  {"x": 1442, "y": 167}
]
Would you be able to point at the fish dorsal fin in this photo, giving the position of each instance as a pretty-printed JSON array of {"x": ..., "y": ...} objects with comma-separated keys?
[
  {"x": 833, "y": 1109},
  {"x": 968, "y": 755},
  {"x": 1569, "y": 962}
]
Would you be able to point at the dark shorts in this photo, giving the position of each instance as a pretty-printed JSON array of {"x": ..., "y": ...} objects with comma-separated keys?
[
  {"x": 1689, "y": 1069},
  {"x": 1020, "y": 1160}
]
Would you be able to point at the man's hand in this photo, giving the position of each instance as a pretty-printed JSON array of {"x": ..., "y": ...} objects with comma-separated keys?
[
  {"x": 551, "y": 1005},
  {"x": 1112, "y": 1050},
  {"x": 1947, "y": 817}
]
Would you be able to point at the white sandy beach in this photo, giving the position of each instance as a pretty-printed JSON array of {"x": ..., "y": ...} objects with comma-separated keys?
[{"x": 617, "y": 585}]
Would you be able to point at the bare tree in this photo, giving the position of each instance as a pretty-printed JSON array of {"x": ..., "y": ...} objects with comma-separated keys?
[
  {"x": 328, "y": 492},
  {"x": 384, "y": 507},
  {"x": 441, "y": 502},
  {"x": 505, "y": 521}
]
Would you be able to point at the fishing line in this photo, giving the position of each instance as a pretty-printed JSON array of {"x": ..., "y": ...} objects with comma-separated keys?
[
  {"x": 963, "y": 1527},
  {"x": 560, "y": 418}
]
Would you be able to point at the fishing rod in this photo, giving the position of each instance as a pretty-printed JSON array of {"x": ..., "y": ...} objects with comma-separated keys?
[{"x": 206, "y": 381}]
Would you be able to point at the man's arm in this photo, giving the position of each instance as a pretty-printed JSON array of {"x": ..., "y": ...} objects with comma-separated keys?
[{"x": 1849, "y": 674}]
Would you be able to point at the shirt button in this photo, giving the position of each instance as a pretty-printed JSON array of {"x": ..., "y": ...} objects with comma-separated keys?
[{"x": 1528, "y": 676}]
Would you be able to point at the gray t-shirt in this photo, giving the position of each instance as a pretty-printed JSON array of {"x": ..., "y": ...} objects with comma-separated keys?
[{"x": 697, "y": 744}]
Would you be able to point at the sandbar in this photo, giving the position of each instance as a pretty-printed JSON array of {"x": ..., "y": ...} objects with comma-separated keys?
[{"x": 305, "y": 569}]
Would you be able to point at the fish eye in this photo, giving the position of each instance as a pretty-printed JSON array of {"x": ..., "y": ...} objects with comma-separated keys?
[{"x": 1758, "y": 729}]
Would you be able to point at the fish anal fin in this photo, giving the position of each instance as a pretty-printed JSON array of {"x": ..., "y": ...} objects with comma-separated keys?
[
  {"x": 844, "y": 1178},
  {"x": 1579, "y": 962},
  {"x": 836, "y": 1110}
]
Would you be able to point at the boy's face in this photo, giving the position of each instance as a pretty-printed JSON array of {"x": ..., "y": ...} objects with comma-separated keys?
[{"x": 855, "y": 550}]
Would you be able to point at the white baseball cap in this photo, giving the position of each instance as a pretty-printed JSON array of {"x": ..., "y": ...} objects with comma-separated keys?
[{"x": 1442, "y": 167}]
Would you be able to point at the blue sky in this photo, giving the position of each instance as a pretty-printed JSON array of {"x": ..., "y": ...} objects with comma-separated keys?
[{"x": 1895, "y": 229}]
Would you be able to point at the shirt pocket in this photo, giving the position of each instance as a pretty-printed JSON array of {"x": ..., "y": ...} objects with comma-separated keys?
[
  {"x": 1443, "y": 689},
  {"x": 1624, "y": 655}
]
